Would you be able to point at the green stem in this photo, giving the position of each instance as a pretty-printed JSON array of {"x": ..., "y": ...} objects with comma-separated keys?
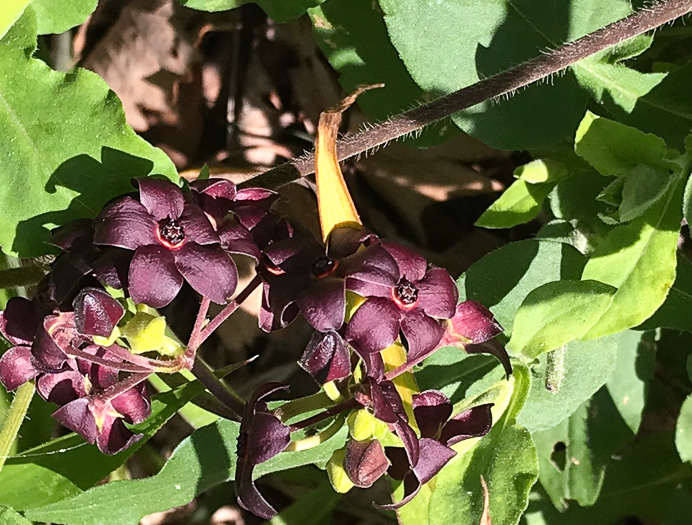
[
  {"x": 23, "y": 276},
  {"x": 555, "y": 370},
  {"x": 14, "y": 419}
]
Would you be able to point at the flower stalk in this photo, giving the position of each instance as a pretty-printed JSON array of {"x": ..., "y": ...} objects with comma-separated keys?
[{"x": 13, "y": 420}]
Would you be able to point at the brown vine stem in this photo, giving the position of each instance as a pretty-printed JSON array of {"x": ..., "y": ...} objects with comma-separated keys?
[{"x": 490, "y": 88}]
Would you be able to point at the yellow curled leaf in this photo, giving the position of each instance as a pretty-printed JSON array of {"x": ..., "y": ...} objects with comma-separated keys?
[
  {"x": 337, "y": 473},
  {"x": 336, "y": 208}
]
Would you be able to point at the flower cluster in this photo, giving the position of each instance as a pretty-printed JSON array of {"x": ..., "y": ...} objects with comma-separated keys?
[
  {"x": 82, "y": 335},
  {"x": 91, "y": 336}
]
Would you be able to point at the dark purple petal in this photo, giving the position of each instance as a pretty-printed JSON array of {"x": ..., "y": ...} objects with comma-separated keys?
[
  {"x": 133, "y": 404},
  {"x": 324, "y": 304},
  {"x": 72, "y": 236},
  {"x": 96, "y": 312},
  {"x": 422, "y": 333},
  {"x": 76, "y": 415},
  {"x": 115, "y": 437},
  {"x": 161, "y": 198},
  {"x": 474, "y": 422},
  {"x": 345, "y": 241},
  {"x": 262, "y": 436},
  {"x": 374, "y": 364},
  {"x": 66, "y": 275},
  {"x": 432, "y": 410},
  {"x": 492, "y": 347},
  {"x": 61, "y": 387},
  {"x": 216, "y": 188},
  {"x": 235, "y": 238},
  {"x": 209, "y": 270},
  {"x": 18, "y": 322},
  {"x": 257, "y": 196},
  {"x": 374, "y": 326},
  {"x": 372, "y": 266},
  {"x": 197, "y": 227},
  {"x": 101, "y": 377},
  {"x": 111, "y": 268},
  {"x": 326, "y": 357},
  {"x": 54, "y": 336},
  {"x": 438, "y": 294},
  {"x": 411, "y": 265},
  {"x": 153, "y": 277},
  {"x": 365, "y": 462},
  {"x": 278, "y": 308},
  {"x": 125, "y": 224},
  {"x": 16, "y": 367},
  {"x": 433, "y": 456},
  {"x": 472, "y": 323}
]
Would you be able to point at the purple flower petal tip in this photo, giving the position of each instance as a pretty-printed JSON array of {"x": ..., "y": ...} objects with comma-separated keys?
[
  {"x": 472, "y": 323},
  {"x": 96, "y": 312},
  {"x": 16, "y": 367},
  {"x": 326, "y": 357}
]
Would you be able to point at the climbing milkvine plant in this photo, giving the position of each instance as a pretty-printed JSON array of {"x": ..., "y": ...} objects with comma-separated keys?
[{"x": 521, "y": 392}]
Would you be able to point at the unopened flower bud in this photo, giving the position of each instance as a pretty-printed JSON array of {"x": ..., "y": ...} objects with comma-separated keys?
[{"x": 365, "y": 462}]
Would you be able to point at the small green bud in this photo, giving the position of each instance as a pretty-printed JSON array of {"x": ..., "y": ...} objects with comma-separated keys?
[
  {"x": 361, "y": 424},
  {"x": 147, "y": 333},
  {"x": 337, "y": 473}
]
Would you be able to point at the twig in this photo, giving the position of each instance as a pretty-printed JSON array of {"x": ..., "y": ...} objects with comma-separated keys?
[{"x": 505, "y": 82}]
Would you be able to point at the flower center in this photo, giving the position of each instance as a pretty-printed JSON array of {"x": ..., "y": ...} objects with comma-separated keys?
[
  {"x": 324, "y": 267},
  {"x": 170, "y": 233},
  {"x": 405, "y": 294}
]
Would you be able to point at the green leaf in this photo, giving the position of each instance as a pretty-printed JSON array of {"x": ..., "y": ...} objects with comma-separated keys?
[
  {"x": 674, "y": 312},
  {"x": 639, "y": 259},
  {"x": 314, "y": 507},
  {"x": 201, "y": 461},
  {"x": 628, "y": 384},
  {"x": 10, "y": 13},
  {"x": 683, "y": 431},
  {"x": 687, "y": 198},
  {"x": 661, "y": 110},
  {"x": 67, "y": 137},
  {"x": 416, "y": 511},
  {"x": 556, "y": 313},
  {"x": 279, "y": 10},
  {"x": 541, "y": 170},
  {"x": 519, "y": 203},
  {"x": 67, "y": 466},
  {"x": 502, "y": 287},
  {"x": 57, "y": 16},
  {"x": 506, "y": 458},
  {"x": 616, "y": 149},
  {"x": 458, "y": 374},
  {"x": 643, "y": 187},
  {"x": 640, "y": 485},
  {"x": 587, "y": 364},
  {"x": 573, "y": 455},
  {"x": 496, "y": 36},
  {"x": 353, "y": 36},
  {"x": 11, "y": 517}
]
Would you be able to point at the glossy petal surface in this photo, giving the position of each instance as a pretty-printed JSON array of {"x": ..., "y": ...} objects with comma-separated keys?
[
  {"x": 161, "y": 198},
  {"x": 209, "y": 270},
  {"x": 153, "y": 276},
  {"x": 125, "y": 224}
]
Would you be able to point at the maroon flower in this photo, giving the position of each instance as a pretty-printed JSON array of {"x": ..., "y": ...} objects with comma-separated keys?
[
  {"x": 474, "y": 328},
  {"x": 235, "y": 214},
  {"x": 413, "y": 302},
  {"x": 173, "y": 241},
  {"x": 432, "y": 410},
  {"x": 93, "y": 414},
  {"x": 262, "y": 436}
]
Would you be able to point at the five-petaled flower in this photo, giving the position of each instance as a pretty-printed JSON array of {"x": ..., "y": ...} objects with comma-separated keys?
[{"x": 173, "y": 241}]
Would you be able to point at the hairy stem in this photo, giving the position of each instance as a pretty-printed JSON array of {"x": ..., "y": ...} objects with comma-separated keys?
[
  {"x": 14, "y": 418},
  {"x": 228, "y": 310},
  {"x": 23, "y": 276},
  {"x": 336, "y": 409},
  {"x": 123, "y": 386},
  {"x": 490, "y": 88},
  {"x": 205, "y": 376}
]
